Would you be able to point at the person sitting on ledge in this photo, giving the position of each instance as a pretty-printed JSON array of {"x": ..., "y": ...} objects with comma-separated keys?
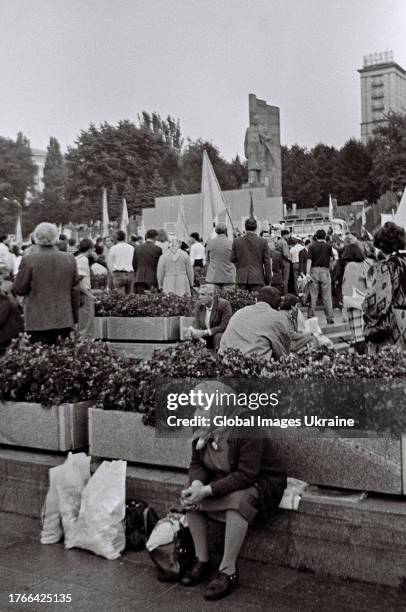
[
  {"x": 211, "y": 316},
  {"x": 233, "y": 479},
  {"x": 259, "y": 329},
  {"x": 299, "y": 339}
]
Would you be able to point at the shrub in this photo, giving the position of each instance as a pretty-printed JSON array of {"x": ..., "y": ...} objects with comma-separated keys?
[
  {"x": 115, "y": 304},
  {"x": 53, "y": 375}
]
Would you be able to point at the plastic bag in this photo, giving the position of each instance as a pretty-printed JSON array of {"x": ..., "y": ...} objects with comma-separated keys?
[
  {"x": 100, "y": 526},
  {"x": 71, "y": 479},
  {"x": 171, "y": 547},
  {"x": 51, "y": 519}
]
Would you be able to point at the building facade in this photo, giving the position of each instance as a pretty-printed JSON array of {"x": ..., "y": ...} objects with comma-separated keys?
[{"x": 383, "y": 89}]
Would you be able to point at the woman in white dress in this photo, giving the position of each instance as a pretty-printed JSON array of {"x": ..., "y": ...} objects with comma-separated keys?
[{"x": 175, "y": 272}]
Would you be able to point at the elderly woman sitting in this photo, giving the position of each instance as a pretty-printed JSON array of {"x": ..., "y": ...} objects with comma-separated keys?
[{"x": 232, "y": 478}]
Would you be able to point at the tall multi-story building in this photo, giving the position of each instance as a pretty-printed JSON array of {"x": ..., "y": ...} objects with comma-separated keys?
[{"x": 383, "y": 89}]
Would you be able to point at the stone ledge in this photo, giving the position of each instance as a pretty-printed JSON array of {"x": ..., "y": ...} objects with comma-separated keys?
[{"x": 364, "y": 541}]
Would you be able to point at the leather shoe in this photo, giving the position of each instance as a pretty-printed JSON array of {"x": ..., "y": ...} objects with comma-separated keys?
[
  {"x": 222, "y": 585},
  {"x": 196, "y": 573}
]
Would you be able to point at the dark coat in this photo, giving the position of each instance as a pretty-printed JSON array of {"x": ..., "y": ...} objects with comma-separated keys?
[
  {"x": 11, "y": 321},
  {"x": 303, "y": 257},
  {"x": 219, "y": 318},
  {"x": 251, "y": 256},
  {"x": 49, "y": 282},
  {"x": 277, "y": 268},
  {"x": 145, "y": 263},
  {"x": 253, "y": 462}
]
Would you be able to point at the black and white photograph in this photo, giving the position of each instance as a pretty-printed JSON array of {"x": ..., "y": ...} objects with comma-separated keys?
[{"x": 203, "y": 305}]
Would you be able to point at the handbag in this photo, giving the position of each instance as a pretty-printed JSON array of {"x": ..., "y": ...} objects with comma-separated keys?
[
  {"x": 356, "y": 300},
  {"x": 140, "y": 520},
  {"x": 171, "y": 547}
]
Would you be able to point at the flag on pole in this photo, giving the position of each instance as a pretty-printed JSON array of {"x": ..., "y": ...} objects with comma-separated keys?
[
  {"x": 400, "y": 215},
  {"x": 252, "y": 215},
  {"x": 182, "y": 232},
  {"x": 19, "y": 233},
  {"x": 105, "y": 214},
  {"x": 213, "y": 204},
  {"x": 330, "y": 208},
  {"x": 124, "y": 217},
  {"x": 363, "y": 217}
]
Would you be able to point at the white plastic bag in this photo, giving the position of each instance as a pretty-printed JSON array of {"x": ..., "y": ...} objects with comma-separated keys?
[
  {"x": 51, "y": 519},
  {"x": 71, "y": 479},
  {"x": 99, "y": 527}
]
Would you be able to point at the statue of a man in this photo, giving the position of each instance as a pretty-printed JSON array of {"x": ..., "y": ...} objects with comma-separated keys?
[{"x": 258, "y": 151}]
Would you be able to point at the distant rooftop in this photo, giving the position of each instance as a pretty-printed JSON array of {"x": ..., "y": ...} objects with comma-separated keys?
[{"x": 385, "y": 59}]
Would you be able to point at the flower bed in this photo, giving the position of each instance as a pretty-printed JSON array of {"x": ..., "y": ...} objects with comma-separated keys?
[
  {"x": 357, "y": 463},
  {"x": 238, "y": 298},
  {"x": 115, "y": 304},
  {"x": 150, "y": 317},
  {"x": 56, "y": 428},
  {"x": 45, "y": 392}
]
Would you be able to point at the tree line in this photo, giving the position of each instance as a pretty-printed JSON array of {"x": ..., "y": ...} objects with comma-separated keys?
[{"x": 144, "y": 160}]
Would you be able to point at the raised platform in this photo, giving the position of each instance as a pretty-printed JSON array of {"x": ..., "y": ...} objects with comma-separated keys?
[{"x": 363, "y": 541}]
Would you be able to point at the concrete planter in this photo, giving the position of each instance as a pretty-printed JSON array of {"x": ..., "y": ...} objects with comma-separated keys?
[
  {"x": 364, "y": 464},
  {"x": 122, "y": 435},
  {"x": 154, "y": 329},
  {"x": 99, "y": 328},
  {"x": 58, "y": 428},
  {"x": 184, "y": 324}
]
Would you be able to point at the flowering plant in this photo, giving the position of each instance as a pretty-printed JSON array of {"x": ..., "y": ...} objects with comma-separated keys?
[
  {"x": 115, "y": 304},
  {"x": 53, "y": 375},
  {"x": 238, "y": 298}
]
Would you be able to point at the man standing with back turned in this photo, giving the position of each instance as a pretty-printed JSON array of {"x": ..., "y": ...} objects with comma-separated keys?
[
  {"x": 320, "y": 257},
  {"x": 251, "y": 256}
]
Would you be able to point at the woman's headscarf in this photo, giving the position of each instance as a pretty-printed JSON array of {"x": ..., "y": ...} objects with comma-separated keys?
[
  {"x": 226, "y": 406},
  {"x": 174, "y": 248}
]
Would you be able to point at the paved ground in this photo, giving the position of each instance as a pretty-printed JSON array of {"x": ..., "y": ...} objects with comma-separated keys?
[{"x": 129, "y": 584}]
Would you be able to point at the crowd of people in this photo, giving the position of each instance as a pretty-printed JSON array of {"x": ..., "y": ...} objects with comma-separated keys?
[
  {"x": 231, "y": 478},
  {"x": 54, "y": 279}
]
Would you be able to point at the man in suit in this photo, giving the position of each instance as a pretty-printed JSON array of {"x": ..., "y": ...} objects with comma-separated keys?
[
  {"x": 251, "y": 256},
  {"x": 145, "y": 263},
  {"x": 211, "y": 317},
  {"x": 220, "y": 269},
  {"x": 49, "y": 281}
]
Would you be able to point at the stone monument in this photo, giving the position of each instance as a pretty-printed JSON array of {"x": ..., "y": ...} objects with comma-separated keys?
[{"x": 262, "y": 147}]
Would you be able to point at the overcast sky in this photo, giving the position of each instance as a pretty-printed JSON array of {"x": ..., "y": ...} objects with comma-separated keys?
[{"x": 66, "y": 63}]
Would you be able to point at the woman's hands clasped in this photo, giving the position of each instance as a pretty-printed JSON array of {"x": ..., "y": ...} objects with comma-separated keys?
[{"x": 192, "y": 496}]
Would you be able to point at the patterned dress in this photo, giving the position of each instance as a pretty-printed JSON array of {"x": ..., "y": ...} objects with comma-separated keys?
[{"x": 385, "y": 303}]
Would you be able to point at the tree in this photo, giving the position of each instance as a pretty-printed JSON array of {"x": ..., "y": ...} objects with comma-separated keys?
[
  {"x": 239, "y": 171},
  {"x": 388, "y": 152},
  {"x": 158, "y": 187},
  {"x": 326, "y": 160},
  {"x": 300, "y": 183},
  {"x": 113, "y": 155},
  {"x": 191, "y": 167},
  {"x": 352, "y": 174},
  {"x": 54, "y": 183},
  {"x": 17, "y": 170}
]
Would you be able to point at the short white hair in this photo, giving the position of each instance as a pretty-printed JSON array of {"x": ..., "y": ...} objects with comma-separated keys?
[{"x": 46, "y": 234}]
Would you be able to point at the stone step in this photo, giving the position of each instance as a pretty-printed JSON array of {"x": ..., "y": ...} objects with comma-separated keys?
[
  {"x": 339, "y": 336},
  {"x": 361, "y": 541},
  {"x": 341, "y": 347}
]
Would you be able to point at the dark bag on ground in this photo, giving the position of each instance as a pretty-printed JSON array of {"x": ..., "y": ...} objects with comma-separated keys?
[
  {"x": 171, "y": 547},
  {"x": 140, "y": 520}
]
